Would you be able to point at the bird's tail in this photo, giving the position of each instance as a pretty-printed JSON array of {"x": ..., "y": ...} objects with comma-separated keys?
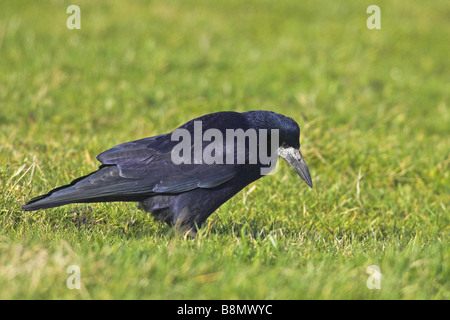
[
  {"x": 57, "y": 197},
  {"x": 42, "y": 202},
  {"x": 103, "y": 185}
]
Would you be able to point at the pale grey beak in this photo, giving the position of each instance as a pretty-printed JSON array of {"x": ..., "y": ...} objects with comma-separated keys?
[{"x": 295, "y": 159}]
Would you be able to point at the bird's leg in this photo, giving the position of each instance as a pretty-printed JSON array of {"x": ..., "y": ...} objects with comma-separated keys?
[{"x": 183, "y": 226}]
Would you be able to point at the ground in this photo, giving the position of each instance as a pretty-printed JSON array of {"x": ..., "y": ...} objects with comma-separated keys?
[{"x": 372, "y": 105}]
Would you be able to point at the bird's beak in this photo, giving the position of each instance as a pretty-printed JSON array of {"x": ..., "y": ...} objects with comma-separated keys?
[{"x": 295, "y": 159}]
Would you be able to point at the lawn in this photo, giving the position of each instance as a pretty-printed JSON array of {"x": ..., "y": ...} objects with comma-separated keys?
[{"x": 372, "y": 105}]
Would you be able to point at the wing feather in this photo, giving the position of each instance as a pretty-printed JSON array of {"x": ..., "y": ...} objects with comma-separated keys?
[{"x": 145, "y": 167}]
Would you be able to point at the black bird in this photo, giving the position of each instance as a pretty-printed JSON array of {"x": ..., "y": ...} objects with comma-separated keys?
[{"x": 183, "y": 194}]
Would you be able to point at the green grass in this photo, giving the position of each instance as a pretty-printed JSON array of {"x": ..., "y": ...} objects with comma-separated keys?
[{"x": 373, "y": 107}]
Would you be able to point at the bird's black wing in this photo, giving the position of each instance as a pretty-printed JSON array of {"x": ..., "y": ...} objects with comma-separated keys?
[
  {"x": 133, "y": 171},
  {"x": 145, "y": 166}
]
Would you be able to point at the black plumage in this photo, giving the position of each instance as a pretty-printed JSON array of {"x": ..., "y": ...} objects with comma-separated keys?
[{"x": 180, "y": 194}]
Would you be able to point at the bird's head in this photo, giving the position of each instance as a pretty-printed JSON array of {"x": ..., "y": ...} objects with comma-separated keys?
[
  {"x": 289, "y": 148},
  {"x": 289, "y": 140}
]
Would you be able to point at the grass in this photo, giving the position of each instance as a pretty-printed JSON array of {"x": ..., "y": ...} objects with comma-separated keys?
[{"x": 373, "y": 107}]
